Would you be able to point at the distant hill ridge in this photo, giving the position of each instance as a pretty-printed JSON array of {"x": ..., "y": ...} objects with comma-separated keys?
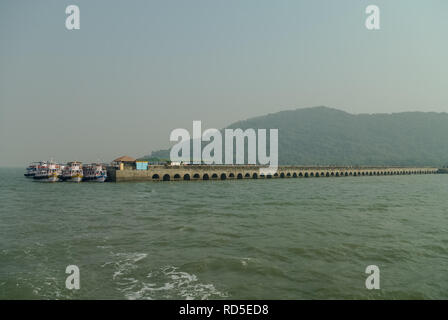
[{"x": 326, "y": 136}]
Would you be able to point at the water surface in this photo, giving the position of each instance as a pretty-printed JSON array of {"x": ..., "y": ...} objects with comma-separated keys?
[{"x": 247, "y": 239}]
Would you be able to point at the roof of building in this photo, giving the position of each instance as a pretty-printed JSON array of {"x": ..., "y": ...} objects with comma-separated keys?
[{"x": 124, "y": 159}]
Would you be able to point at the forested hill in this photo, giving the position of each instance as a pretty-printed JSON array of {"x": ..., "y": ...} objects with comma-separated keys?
[{"x": 325, "y": 136}]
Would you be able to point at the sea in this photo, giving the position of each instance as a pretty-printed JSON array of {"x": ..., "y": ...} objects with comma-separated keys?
[{"x": 295, "y": 238}]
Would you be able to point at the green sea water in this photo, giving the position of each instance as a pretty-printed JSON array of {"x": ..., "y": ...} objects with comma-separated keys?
[{"x": 247, "y": 239}]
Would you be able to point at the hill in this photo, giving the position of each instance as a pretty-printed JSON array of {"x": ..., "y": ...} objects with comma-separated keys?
[{"x": 326, "y": 136}]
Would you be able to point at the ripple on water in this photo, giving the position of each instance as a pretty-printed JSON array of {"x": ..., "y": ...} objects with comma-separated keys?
[{"x": 285, "y": 238}]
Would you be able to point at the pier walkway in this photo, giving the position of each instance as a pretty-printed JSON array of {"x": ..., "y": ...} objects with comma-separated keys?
[{"x": 223, "y": 172}]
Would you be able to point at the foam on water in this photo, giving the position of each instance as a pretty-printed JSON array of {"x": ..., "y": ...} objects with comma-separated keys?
[
  {"x": 170, "y": 283},
  {"x": 167, "y": 282}
]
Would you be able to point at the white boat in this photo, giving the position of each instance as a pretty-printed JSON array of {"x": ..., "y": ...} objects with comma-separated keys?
[
  {"x": 48, "y": 171},
  {"x": 32, "y": 169},
  {"x": 95, "y": 172},
  {"x": 72, "y": 172}
]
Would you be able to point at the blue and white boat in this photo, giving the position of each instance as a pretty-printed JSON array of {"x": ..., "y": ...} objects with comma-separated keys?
[
  {"x": 95, "y": 172},
  {"x": 32, "y": 169}
]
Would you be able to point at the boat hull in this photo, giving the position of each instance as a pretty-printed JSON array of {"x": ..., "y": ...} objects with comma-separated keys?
[
  {"x": 53, "y": 179},
  {"x": 40, "y": 177},
  {"x": 100, "y": 179},
  {"x": 72, "y": 179},
  {"x": 46, "y": 178},
  {"x": 95, "y": 179}
]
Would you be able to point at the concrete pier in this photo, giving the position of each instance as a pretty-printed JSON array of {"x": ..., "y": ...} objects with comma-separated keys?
[{"x": 223, "y": 172}]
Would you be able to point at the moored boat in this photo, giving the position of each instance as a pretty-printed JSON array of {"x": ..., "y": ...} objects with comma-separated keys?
[
  {"x": 72, "y": 172},
  {"x": 32, "y": 169},
  {"x": 50, "y": 172},
  {"x": 95, "y": 172}
]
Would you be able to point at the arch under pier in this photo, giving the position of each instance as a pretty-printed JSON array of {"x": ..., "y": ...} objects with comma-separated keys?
[{"x": 243, "y": 172}]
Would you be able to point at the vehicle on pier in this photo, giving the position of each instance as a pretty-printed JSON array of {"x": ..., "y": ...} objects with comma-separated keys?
[
  {"x": 73, "y": 172},
  {"x": 94, "y": 172}
]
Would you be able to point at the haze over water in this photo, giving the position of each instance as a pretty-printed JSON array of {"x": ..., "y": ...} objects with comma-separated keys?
[{"x": 246, "y": 239}]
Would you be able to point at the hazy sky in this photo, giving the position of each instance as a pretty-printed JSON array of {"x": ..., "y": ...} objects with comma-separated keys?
[{"x": 138, "y": 69}]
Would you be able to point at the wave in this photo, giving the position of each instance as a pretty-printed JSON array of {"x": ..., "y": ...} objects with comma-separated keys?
[{"x": 167, "y": 282}]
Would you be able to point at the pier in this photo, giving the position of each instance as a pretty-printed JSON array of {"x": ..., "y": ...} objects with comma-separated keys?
[{"x": 225, "y": 172}]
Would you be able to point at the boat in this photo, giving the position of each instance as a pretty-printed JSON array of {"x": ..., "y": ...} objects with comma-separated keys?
[
  {"x": 32, "y": 169},
  {"x": 72, "y": 172},
  {"x": 48, "y": 171},
  {"x": 95, "y": 172}
]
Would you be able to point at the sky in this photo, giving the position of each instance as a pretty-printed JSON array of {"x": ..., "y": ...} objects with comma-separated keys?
[{"x": 138, "y": 69}]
